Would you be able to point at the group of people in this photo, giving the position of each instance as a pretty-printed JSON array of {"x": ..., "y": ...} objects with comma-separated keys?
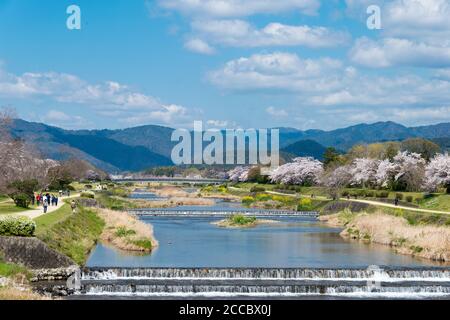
[{"x": 46, "y": 200}]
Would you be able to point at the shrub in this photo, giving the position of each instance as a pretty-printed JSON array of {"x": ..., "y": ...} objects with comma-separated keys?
[
  {"x": 399, "y": 196},
  {"x": 87, "y": 195},
  {"x": 304, "y": 205},
  {"x": 17, "y": 227},
  {"x": 248, "y": 200},
  {"x": 409, "y": 198},
  {"x": 345, "y": 193},
  {"x": 239, "y": 219},
  {"x": 257, "y": 189},
  {"x": 370, "y": 194},
  {"x": 263, "y": 197},
  {"x": 21, "y": 200},
  {"x": 383, "y": 194},
  {"x": 88, "y": 186},
  {"x": 70, "y": 188},
  {"x": 122, "y": 232}
]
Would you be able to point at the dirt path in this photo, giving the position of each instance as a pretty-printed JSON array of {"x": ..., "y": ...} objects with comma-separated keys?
[{"x": 35, "y": 213}]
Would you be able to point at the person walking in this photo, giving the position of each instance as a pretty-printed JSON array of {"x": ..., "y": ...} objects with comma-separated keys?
[
  {"x": 73, "y": 205},
  {"x": 45, "y": 204},
  {"x": 56, "y": 201}
]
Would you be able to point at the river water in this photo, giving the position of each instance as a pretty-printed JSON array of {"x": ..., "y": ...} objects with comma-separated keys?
[{"x": 189, "y": 242}]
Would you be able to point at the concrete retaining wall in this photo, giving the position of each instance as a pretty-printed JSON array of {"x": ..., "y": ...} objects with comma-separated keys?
[{"x": 32, "y": 253}]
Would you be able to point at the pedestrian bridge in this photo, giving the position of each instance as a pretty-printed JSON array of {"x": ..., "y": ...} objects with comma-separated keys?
[{"x": 207, "y": 212}]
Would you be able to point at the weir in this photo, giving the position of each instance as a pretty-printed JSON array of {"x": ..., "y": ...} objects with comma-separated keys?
[
  {"x": 267, "y": 282},
  {"x": 222, "y": 213}
]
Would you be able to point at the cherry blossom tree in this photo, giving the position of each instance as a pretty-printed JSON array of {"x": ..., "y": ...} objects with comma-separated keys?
[
  {"x": 363, "y": 172},
  {"x": 437, "y": 173},
  {"x": 404, "y": 172},
  {"x": 239, "y": 174},
  {"x": 302, "y": 171}
]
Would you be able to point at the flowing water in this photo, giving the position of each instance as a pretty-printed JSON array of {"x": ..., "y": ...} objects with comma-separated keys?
[{"x": 295, "y": 258}]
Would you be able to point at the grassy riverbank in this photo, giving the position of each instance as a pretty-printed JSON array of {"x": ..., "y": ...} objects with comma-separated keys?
[
  {"x": 407, "y": 234},
  {"x": 241, "y": 221},
  {"x": 71, "y": 234},
  {"x": 125, "y": 232}
]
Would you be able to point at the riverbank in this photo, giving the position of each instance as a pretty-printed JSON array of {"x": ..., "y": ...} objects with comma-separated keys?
[
  {"x": 126, "y": 232},
  {"x": 424, "y": 241},
  {"x": 240, "y": 221}
]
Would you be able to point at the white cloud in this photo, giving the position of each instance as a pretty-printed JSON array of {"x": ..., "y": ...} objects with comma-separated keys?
[
  {"x": 199, "y": 46},
  {"x": 284, "y": 71},
  {"x": 62, "y": 119},
  {"x": 239, "y": 8},
  {"x": 109, "y": 98},
  {"x": 327, "y": 82},
  {"x": 275, "y": 112},
  {"x": 239, "y": 33},
  {"x": 399, "y": 52}
]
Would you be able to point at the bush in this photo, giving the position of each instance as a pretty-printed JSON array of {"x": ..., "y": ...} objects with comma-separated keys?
[
  {"x": 88, "y": 186},
  {"x": 409, "y": 198},
  {"x": 383, "y": 194},
  {"x": 17, "y": 227},
  {"x": 247, "y": 200},
  {"x": 370, "y": 194},
  {"x": 70, "y": 188},
  {"x": 257, "y": 189},
  {"x": 304, "y": 205},
  {"x": 21, "y": 200},
  {"x": 399, "y": 196},
  {"x": 345, "y": 194},
  {"x": 87, "y": 195}
]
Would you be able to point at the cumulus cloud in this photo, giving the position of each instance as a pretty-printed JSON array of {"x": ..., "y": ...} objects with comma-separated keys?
[
  {"x": 239, "y": 8},
  {"x": 199, "y": 46},
  {"x": 399, "y": 52},
  {"x": 59, "y": 118},
  {"x": 327, "y": 82},
  {"x": 109, "y": 98},
  {"x": 239, "y": 33}
]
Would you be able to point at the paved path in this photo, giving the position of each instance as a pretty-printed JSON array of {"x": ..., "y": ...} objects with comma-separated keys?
[
  {"x": 375, "y": 203},
  {"x": 35, "y": 213}
]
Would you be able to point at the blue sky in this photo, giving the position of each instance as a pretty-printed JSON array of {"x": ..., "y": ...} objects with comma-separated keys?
[{"x": 231, "y": 63}]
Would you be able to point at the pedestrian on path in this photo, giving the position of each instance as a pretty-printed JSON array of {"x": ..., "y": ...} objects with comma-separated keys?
[
  {"x": 73, "y": 205},
  {"x": 45, "y": 204}
]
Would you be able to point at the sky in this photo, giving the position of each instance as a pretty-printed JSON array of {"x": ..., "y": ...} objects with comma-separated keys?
[{"x": 230, "y": 63}]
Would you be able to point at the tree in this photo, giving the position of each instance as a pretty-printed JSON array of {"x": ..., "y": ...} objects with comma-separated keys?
[
  {"x": 336, "y": 179},
  {"x": 238, "y": 174},
  {"x": 303, "y": 171},
  {"x": 437, "y": 173},
  {"x": 425, "y": 148},
  {"x": 332, "y": 157},
  {"x": 22, "y": 191},
  {"x": 363, "y": 172},
  {"x": 404, "y": 172}
]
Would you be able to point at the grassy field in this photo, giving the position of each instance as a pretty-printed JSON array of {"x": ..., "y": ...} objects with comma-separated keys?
[
  {"x": 8, "y": 207},
  {"x": 437, "y": 202},
  {"x": 46, "y": 221},
  {"x": 71, "y": 234}
]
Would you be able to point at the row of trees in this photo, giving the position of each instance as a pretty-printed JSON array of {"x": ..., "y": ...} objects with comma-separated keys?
[
  {"x": 23, "y": 170},
  {"x": 405, "y": 171}
]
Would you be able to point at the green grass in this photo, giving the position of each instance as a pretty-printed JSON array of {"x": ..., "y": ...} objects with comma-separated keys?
[
  {"x": 10, "y": 207},
  {"x": 114, "y": 203},
  {"x": 9, "y": 270},
  {"x": 437, "y": 202},
  {"x": 46, "y": 221},
  {"x": 74, "y": 236},
  {"x": 123, "y": 232},
  {"x": 146, "y": 244},
  {"x": 241, "y": 220}
]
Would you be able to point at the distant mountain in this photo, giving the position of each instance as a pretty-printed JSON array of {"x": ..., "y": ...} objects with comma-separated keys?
[
  {"x": 303, "y": 148},
  {"x": 149, "y": 146},
  {"x": 345, "y": 138},
  {"x": 444, "y": 143},
  {"x": 93, "y": 146}
]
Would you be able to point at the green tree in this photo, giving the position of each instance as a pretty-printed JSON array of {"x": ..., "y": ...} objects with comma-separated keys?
[
  {"x": 22, "y": 191},
  {"x": 331, "y": 156},
  {"x": 425, "y": 148}
]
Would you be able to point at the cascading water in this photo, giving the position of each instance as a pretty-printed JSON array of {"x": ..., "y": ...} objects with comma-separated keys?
[{"x": 271, "y": 283}]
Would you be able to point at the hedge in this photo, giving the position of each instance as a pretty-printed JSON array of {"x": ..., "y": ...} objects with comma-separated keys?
[{"x": 17, "y": 227}]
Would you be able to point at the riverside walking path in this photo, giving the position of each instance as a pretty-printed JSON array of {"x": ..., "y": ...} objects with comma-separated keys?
[
  {"x": 35, "y": 213},
  {"x": 371, "y": 202}
]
